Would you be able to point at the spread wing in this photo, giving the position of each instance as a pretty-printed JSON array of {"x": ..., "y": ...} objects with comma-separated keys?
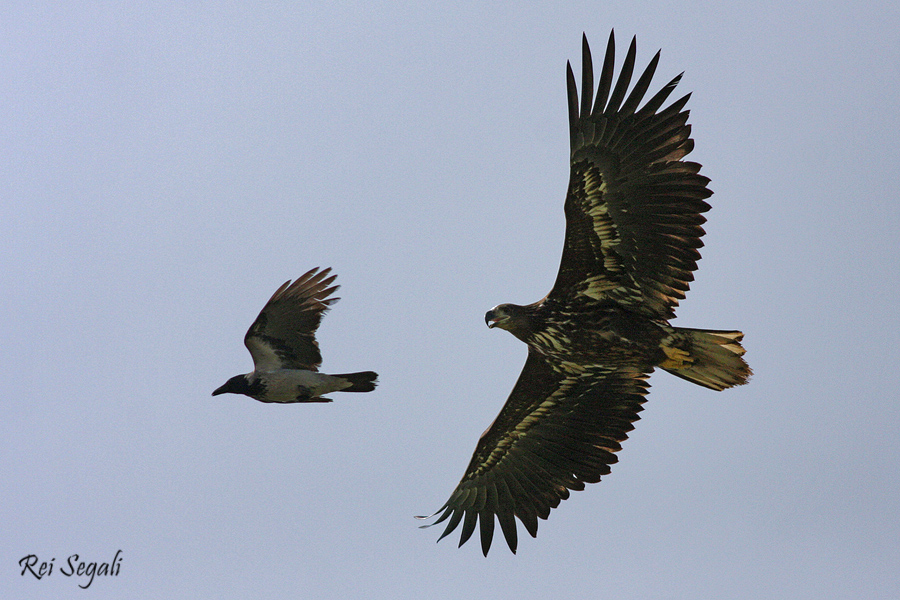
[
  {"x": 634, "y": 207},
  {"x": 284, "y": 334},
  {"x": 556, "y": 432}
]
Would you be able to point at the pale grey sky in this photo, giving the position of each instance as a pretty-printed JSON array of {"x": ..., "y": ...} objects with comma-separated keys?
[{"x": 167, "y": 167}]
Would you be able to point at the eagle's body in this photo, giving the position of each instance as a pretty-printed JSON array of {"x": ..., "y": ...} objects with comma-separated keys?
[
  {"x": 633, "y": 227},
  {"x": 285, "y": 353},
  {"x": 605, "y": 333},
  {"x": 583, "y": 335}
]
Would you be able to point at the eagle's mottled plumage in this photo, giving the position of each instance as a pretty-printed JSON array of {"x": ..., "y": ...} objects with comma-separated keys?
[{"x": 633, "y": 228}]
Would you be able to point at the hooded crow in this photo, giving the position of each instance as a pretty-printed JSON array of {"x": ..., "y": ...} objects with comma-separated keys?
[{"x": 282, "y": 342}]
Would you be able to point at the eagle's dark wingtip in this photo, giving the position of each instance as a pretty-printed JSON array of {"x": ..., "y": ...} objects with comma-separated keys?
[
  {"x": 572, "y": 94},
  {"x": 587, "y": 77},
  {"x": 424, "y": 518}
]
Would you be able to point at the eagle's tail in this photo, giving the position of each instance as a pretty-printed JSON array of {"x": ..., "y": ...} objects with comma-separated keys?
[
  {"x": 706, "y": 357},
  {"x": 360, "y": 382}
]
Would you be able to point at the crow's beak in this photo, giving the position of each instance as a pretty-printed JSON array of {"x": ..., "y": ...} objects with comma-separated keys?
[{"x": 220, "y": 390}]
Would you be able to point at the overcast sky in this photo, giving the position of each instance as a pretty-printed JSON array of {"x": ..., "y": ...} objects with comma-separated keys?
[{"x": 166, "y": 167}]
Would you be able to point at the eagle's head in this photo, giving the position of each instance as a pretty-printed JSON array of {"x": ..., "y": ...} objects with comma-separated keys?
[{"x": 510, "y": 317}]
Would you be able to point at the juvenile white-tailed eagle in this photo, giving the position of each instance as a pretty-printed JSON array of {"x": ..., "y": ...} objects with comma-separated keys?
[
  {"x": 633, "y": 227},
  {"x": 282, "y": 342}
]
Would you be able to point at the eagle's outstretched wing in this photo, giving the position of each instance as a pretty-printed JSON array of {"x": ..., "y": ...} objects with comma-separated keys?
[
  {"x": 557, "y": 431},
  {"x": 284, "y": 334},
  {"x": 633, "y": 209}
]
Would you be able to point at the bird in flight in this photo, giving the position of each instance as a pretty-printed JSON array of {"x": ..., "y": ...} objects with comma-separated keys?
[
  {"x": 633, "y": 227},
  {"x": 286, "y": 357}
]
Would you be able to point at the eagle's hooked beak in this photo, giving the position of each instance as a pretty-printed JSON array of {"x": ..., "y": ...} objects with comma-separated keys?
[{"x": 491, "y": 319}]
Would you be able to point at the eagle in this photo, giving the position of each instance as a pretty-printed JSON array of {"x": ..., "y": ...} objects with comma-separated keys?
[
  {"x": 634, "y": 211},
  {"x": 286, "y": 357}
]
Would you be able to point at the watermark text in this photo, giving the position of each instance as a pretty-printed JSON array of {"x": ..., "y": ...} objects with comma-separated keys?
[{"x": 73, "y": 567}]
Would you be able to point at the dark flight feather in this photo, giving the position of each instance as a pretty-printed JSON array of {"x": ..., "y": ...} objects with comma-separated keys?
[{"x": 285, "y": 330}]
